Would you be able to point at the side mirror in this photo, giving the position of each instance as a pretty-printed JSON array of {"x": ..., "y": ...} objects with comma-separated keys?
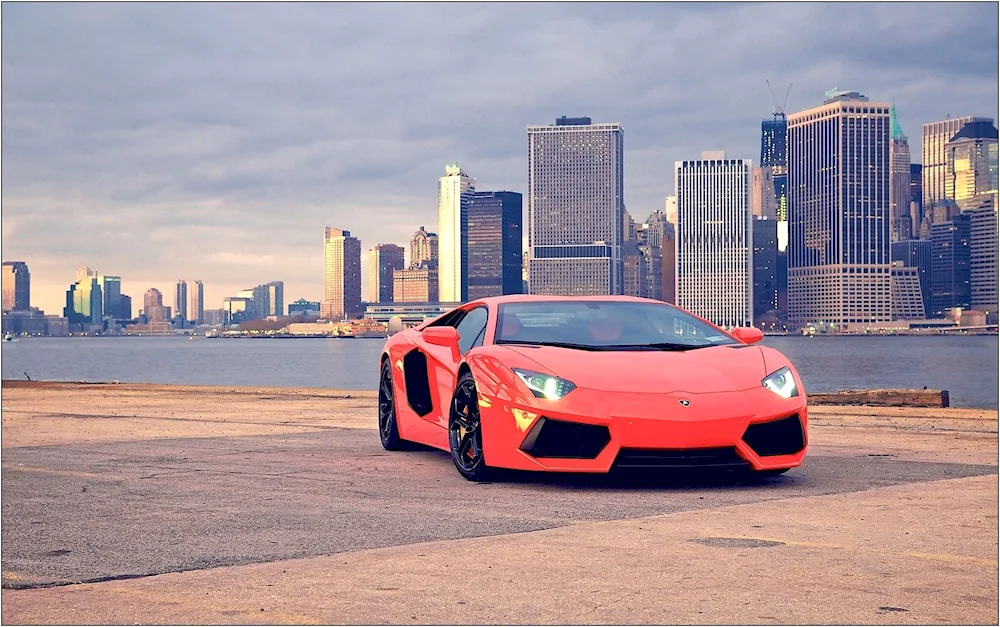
[
  {"x": 748, "y": 335},
  {"x": 443, "y": 336}
]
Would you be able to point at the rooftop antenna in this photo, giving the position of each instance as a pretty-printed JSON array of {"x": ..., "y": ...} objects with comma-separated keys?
[{"x": 776, "y": 108}]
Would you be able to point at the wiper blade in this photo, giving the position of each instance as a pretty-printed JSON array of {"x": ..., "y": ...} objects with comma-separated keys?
[
  {"x": 583, "y": 347},
  {"x": 663, "y": 346}
]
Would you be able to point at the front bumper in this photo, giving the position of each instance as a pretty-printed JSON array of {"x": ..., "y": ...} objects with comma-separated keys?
[{"x": 592, "y": 431}]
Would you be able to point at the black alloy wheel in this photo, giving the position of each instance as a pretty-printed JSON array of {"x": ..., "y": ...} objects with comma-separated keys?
[
  {"x": 465, "y": 435},
  {"x": 387, "y": 430}
]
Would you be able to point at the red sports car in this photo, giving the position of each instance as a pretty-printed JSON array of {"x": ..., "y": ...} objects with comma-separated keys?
[{"x": 586, "y": 384}]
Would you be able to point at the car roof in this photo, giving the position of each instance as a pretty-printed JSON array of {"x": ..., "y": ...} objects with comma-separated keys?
[{"x": 526, "y": 298}]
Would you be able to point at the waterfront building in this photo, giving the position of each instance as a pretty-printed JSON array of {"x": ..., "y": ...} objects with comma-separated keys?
[
  {"x": 33, "y": 321},
  {"x": 971, "y": 157},
  {"x": 455, "y": 191},
  {"x": 415, "y": 285},
  {"x": 983, "y": 259},
  {"x": 84, "y": 299},
  {"x": 494, "y": 244},
  {"x": 237, "y": 309},
  {"x": 152, "y": 298},
  {"x": 341, "y": 276},
  {"x": 181, "y": 299},
  {"x": 214, "y": 317},
  {"x": 899, "y": 181},
  {"x": 125, "y": 308},
  {"x": 16, "y": 286},
  {"x": 424, "y": 249},
  {"x": 198, "y": 302},
  {"x": 303, "y": 307},
  {"x": 916, "y": 253},
  {"x": 936, "y": 186},
  {"x": 765, "y": 266},
  {"x": 276, "y": 298},
  {"x": 907, "y": 301},
  {"x": 410, "y": 314},
  {"x": 576, "y": 206},
  {"x": 383, "y": 260},
  {"x": 838, "y": 212},
  {"x": 950, "y": 266},
  {"x": 111, "y": 293},
  {"x": 714, "y": 238}
]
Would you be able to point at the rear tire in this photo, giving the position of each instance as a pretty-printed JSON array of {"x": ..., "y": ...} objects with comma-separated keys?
[
  {"x": 388, "y": 429},
  {"x": 465, "y": 436}
]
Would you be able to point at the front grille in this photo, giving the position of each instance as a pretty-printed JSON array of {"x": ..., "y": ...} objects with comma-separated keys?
[
  {"x": 777, "y": 437},
  {"x": 679, "y": 458},
  {"x": 567, "y": 440}
]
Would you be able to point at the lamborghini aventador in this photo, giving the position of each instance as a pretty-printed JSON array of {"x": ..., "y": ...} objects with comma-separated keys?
[{"x": 588, "y": 384}]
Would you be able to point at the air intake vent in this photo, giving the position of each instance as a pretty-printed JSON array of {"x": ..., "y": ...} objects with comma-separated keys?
[{"x": 777, "y": 437}]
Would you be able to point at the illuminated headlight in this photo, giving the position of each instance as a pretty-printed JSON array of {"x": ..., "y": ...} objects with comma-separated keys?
[
  {"x": 544, "y": 385},
  {"x": 781, "y": 383}
]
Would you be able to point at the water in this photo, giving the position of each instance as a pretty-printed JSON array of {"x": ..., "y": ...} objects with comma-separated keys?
[{"x": 966, "y": 366}]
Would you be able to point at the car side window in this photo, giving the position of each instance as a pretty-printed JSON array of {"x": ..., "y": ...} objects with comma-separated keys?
[{"x": 470, "y": 328}]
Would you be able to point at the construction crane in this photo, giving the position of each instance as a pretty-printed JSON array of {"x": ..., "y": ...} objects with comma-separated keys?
[{"x": 778, "y": 110}]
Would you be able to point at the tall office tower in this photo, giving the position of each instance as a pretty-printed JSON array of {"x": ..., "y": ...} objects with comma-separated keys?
[
  {"x": 153, "y": 298},
  {"x": 668, "y": 252},
  {"x": 774, "y": 157},
  {"x": 634, "y": 270},
  {"x": 907, "y": 301},
  {"x": 341, "y": 275},
  {"x": 125, "y": 309},
  {"x": 576, "y": 206},
  {"x": 276, "y": 290},
  {"x": 424, "y": 249},
  {"x": 382, "y": 261},
  {"x": 916, "y": 253},
  {"x": 16, "y": 286},
  {"x": 111, "y": 292},
  {"x": 983, "y": 258},
  {"x": 455, "y": 190},
  {"x": 714, "y": 239},
  {"x": 916, "y": 197},
  {"x": 628, "y": 229},
  {"x": 765, "y": 266},
  {"x": 950, "y": 261},
  {"x": 417, "y": 284},
  {"x": 85, "y": 299},
  {"x": 763, "y": 202},
  {"x": 671, "y": 209},
  {"x": 198, "y": 302},
  {"x": 899, "y": 181},
  {"x": 650, "y": 236},
  {"x": 181, "y": 299},
  {"x": 838, "y": 212},
  {"x": 935, "y": 162},
  {"x": 494, "y": 244},
  {"x": 971, "y": 157}
]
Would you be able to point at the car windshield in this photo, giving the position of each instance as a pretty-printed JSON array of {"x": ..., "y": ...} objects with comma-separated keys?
[{"x": 605, "y": 325}]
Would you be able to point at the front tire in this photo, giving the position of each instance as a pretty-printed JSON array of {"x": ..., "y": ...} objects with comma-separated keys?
[
  {"x": 388, "y": 430},
  {"x": 465, "y": 435}
]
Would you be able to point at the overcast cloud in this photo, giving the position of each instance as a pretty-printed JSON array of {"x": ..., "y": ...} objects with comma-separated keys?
[{"x": 215, "y": 141}]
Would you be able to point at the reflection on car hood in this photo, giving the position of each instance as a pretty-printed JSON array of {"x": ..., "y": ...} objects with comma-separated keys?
[{"x": 727, "y": 368}]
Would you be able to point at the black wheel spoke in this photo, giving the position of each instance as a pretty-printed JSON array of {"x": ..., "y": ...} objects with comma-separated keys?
[{"x": 465, "y": 435}]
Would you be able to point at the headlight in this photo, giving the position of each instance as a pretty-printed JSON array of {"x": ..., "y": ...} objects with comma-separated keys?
[
  {"x": 545, "y": 385},
  {"x": 781, "y": 383}
]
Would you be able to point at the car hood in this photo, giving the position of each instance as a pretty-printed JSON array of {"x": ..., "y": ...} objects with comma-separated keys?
[{"x": 727, "y": 368}]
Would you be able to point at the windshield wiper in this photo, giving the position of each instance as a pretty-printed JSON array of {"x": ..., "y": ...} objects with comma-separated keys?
[
  {"x": 663, "y": 346},
  {"x": 582, "y": 347}
]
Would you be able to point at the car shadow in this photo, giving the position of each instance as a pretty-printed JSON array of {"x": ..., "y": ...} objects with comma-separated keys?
[{"x": 644, "y": 479}]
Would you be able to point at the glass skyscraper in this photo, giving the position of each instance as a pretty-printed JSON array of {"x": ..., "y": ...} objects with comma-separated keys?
[
  {"x": 494, "y": 244},
  {"x": 774, "y": 155}
]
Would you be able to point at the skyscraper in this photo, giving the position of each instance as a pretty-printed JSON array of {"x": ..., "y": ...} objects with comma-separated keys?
[
  {"x": 276, "y": 297},
  {"x": 576, "y": 206},
  {"x": 424, "y": 249},
  {"x": 16, "y": 286},
  {"x": 838, "y": 212},
  {"x": 899, "y": 181},
  {"x": 455, "y": 190},
  {"x": 382, "y": 261},
  {"x": 714, "y": 239},
  {"x": 111, "y": 292},
  {"x": 763, "y": 202},
  {"x": 774, "y": 158},
  {"x": 916, "y": 253},
  {"x": 84, "y": 299},
  {"x": 983, "y": 259},
  {"x": 494, "y": 244},
  {"x": 671, "y": 209},
  {"x": 950, "y": 271},
  {"x": 341, "y": 275},
  {"x": 669, "y": 253},
  {"x": 152, "y": 306},
  {"x": 181, "y": 299},
  {"x": 198, "y": 302},
  {"x": 916, "y": 198},
  {"x": 765, "y": 265},
  {"x": 971, "y": 158},
  {"x": 935, "y": 162}
]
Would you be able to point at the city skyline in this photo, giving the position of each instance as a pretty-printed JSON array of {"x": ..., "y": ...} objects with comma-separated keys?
[{"x": 231, "y": 188}]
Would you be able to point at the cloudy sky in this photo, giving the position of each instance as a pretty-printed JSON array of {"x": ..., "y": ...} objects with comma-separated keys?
[{"x": 215, "y": 141}]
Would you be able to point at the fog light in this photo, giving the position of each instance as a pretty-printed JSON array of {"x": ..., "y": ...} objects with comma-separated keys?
[{"x": 523, "y": 418}]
